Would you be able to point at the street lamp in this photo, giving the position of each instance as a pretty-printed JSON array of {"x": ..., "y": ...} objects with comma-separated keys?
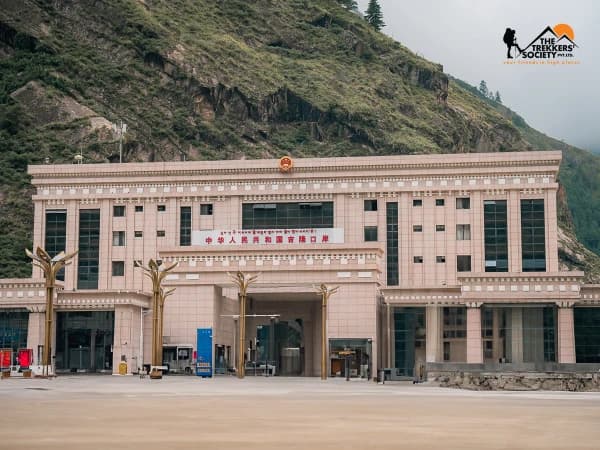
[
  {"x": 161, "y": 304},
  {"x": 325, "y": 292},
  {"x": 50, "y": 266},
  {"x": 156, "y": 271},
  {"x": 242, "y": 281}
]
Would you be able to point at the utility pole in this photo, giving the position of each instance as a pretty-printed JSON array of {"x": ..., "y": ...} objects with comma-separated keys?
[{"x": 120, "y": 129}]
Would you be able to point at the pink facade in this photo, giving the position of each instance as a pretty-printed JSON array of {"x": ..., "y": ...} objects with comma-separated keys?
[{"x": 405, "y": 241}]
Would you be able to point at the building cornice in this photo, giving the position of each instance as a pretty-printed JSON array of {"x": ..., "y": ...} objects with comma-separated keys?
[{"x": 303, "y": 167}]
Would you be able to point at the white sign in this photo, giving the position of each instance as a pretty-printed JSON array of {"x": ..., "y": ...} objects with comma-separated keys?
[{"x": 299, "y": 236}]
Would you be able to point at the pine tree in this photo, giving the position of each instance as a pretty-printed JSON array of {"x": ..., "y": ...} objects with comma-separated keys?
[
  {"x": 374, "y": 16},
  {"x": 497, "y": 97},
  {"x": 350, "y": 5},
  {"x": 483, "y": 89}
]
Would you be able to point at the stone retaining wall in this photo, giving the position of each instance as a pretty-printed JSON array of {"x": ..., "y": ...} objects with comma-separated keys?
[{"x": 575, "y": 382}]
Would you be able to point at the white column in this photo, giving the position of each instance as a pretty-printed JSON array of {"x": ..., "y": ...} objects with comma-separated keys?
[
  {"x": 474, "y": 342},
  {"x": 516, "y": 326},
  {"x": 433, "y": 334},
  {"x": 566, "y": 333},
  {"x": 35, "y": 333}
]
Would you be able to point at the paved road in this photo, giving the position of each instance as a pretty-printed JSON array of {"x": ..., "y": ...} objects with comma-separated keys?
[{"x": 99, "y": 412}]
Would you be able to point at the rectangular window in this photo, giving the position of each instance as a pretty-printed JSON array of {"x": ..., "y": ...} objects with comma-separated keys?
[
  {"x": 118, "y": 238},
  {"x": 138, "y": 234},
  {"x": 392, "y": 243},
  {"x": 139, "y": 208},
  {"x": 417, "y": 228},
  {"x": 119, "y": 211},
  {"x": 160, "y": 233},
  {"x": 533, "y": 235},
  {"x": 287, "y": 215},
  {"x": 161, "y": 208},
  {"x": 439, "y": 202},
  {"x": 440, "y": 228},
  {"x": 118, "y": 268},
  {"x": 370, "y": 205},
  {"x": 418, "y": 259},
  {"x": 446, "y": 351},
  {"x": 463, "y": 232},
  {"x": 89, "y": 249},
  {"x": 463, "y": 203},
  {"x": 417, "y": 202},
  {"x": 370, "y": 234},
  {"x": 440, "y": 259},
  {"x": 463, "y": 263},
  {"x": 56, "y": 236},
  {"x": 185, "y": 226},
  {"x": 206, "y": 209},
  {"x": 495, "y": 235}
]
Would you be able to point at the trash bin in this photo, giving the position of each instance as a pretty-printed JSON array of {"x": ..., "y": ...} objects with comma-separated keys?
[{"x": 122, "y": 368}]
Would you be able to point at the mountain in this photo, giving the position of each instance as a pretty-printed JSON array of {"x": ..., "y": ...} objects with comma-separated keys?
[{"x": 228, "y": 79}]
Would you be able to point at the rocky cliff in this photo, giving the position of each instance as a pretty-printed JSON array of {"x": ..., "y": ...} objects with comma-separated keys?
[{"x": 237, "y": 79}]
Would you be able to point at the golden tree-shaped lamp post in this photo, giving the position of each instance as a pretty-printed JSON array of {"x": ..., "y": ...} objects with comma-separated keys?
[
  {"x": 161, "y": 304},
  {"x": 50, "y": 266},
  {"x": 325, "y": 292},
  {"x": 157, "y": 272},
  {"x": 242, "y": 281}
]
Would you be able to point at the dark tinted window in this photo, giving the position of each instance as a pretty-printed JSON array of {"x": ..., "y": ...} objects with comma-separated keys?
[
  {"x": 287, "y": 215},
  {"x": 370, "y": 234}
]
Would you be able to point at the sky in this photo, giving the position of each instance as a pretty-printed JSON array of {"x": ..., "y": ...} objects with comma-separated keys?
[{"x": 465, "y": 36}]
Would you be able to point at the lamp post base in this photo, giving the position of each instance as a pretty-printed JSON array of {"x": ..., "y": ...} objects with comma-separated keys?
[
  {"x": 43, "y": 371},
  {"x": 156, "y": 375}
]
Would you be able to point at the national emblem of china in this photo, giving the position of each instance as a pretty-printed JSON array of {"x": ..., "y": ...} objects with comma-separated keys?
[{"x": 285, "y": 164}]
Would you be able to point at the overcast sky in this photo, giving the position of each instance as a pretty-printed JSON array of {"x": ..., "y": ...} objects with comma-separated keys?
[{"x": 465, "y": 36}]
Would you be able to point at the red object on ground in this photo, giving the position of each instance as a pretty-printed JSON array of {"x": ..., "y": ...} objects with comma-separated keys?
[
  {"x": 5, "y": 358},
  {"x": 25, "y": 357}
]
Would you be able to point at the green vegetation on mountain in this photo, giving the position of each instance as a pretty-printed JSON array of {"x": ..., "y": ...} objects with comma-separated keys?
[{"x": 238, "y": 78}]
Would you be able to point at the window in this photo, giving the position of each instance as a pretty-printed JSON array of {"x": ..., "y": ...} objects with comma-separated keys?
[
  {"x": 391, "y": 221},
  {"x": 89, "y": 249},
  {"x": 440, "y": 228},
  {"x": 446, "y": 351},
  {"x": 118, "y": 238},
  {"x": 370, "y": 234},
  {"x": 463, "y": 203},
  {"x": 287, "y": 215},
  {"x": 417, "y": 202},
  {"x": 161, "y": 208},
  {"x": 463, "y": 263},
  {"x": 463, "y": 232},
  {"x": 370, "y": 205},
  {"x": 139, "y": 208},
  {"x": 160, "y": 233},
  {"x": 417, "y": 228},
  {"x": 533, "y": 235},
  {"x": 185, "y": 226},
  {"x": 440, "y": 259},
  {"x": 439, "y": 202},
  {"x": 418, "y": 259},
  {"x": 56, "y": 236},
  {"x": 206, "y": 209},
  {"x": 138, "y": 234},
  {"x": 119, "y": 211},
  {"x": 118, "y": 268},
  {"x": 495, "y": 235}
]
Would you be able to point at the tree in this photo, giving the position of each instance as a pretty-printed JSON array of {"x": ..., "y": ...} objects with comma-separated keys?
[
  {"x": 350, "y": 5},
  {"x": 374, "y": 16},
  {"x": 497, "y": 97},
  {"x": 483, "y": 89}
]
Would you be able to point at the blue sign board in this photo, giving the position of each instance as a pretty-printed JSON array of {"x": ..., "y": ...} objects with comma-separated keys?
[{"x": 204, "y": 353}]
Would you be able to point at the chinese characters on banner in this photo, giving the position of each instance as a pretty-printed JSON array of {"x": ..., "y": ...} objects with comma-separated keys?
[{"x": 299, "y": 236}]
